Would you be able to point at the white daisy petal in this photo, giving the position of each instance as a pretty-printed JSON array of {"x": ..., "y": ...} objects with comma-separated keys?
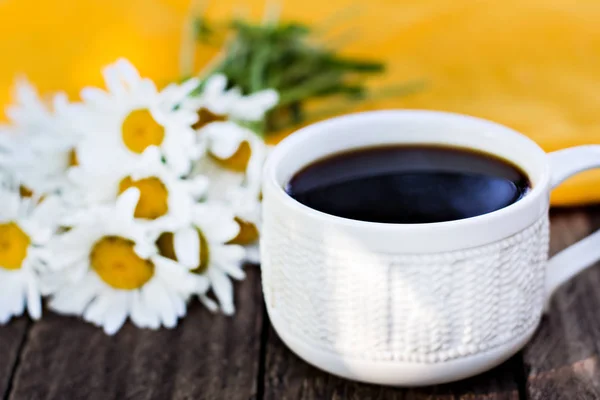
[
  {"x": 156, "y": 296},
  {"x": 174, "y": 274},
  {"x": 211, "y": 305},
  {"x": 69, "y": 253},
  {"x": 96, "y": 97},
  {"x": 216, "y": 221},
  {"x": 127, "y": 202},
  {"x": 174, "y": 94},
  {"x": 178, "y": 303},
  {"x": 229, "y": 253},
  {"x": 223, "y": 289},
  {"x": 215, "y": 85},
  {"x": 233, "y": 270},
  {"x": 225, "y": 137},
  {"x": 12, "y": 297},
  {"x": 127, "y": 72},
  {"x": 117, "y": 312},
  {"x": 198, "y": 186},
  {"x": 98, "y": 307},
  {"x": 48, "y": 212},
  {"x": 5, "y": 315},
  {"x": 253, "y": 253},
  {"x": 145, "y": 250},
  {"x": 74, "y": 299},
  {"x": 113, "y": 81},
  {"x": 10, "y": 206},
  {"x": 147, "y": 89},
  {"x": 254, "y": 106},
  {"x": 201, "y": 284},
  {"x": 187, "y": 247},
  {"x": 142, "y": 315},
  {"x": 34, "y": 301}
]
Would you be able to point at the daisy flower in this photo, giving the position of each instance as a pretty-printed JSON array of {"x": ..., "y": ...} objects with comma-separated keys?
[
  {"x": 39, "y": 145},
  {"x": 164, "y": 196},
  {"x": 25, "y": 229},
  {"x": 236, "y": 154},
  {"x": 237, "y": 182},
  {"x": 216, "y": 102},
  {"x": 132, "y": 116},
  {"x": 246, "y": 204},
  {"x": 220, "y": 112},
  {"x": 112, "y": 270},
  {"x": 202, "y": 246}
]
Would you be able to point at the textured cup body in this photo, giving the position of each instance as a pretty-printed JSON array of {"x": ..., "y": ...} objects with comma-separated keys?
[{"x": 338, "y": 295}]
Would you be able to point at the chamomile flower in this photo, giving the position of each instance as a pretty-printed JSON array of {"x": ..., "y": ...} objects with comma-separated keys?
[
  {"x": 220, "y": 112},
  {"x": 231, "y": 144},
  {"x": 164, "y": 196},
  {"x": 202, "y": 246},
  {"x": 25, "y": 229},
  {"x": 236, "y": 181},
  {"x": 112, "y": 270},
  {"x": 216, "y": 102},
  {"x": 132, "y": 116},
  {"x": 246, "y": 205},
  {"x": 38, "y": 147}
]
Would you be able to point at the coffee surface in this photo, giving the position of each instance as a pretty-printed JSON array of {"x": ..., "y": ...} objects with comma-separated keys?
[{"x": 409, "y": 184}]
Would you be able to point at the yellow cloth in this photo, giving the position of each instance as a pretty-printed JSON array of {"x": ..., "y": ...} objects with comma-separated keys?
[{"x": 533, "y": 65}]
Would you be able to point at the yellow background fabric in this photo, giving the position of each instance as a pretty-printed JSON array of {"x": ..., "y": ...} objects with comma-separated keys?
[{"x": 533, "y": 65}]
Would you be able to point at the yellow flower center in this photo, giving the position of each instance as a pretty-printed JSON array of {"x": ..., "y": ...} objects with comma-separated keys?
[
  {"x": 248, "y": 233},
  {"x": 73, "y": 160},
  {"x": 205, "y": 117},
  {"x": 238, "y": 162},
  {"x": 117, "y": 264},
  {"x": 140, "y": 131},
  {"x": 25, "y": 192},
  {"x": 166, "y": 248},
  {"x": 154, "y": 196},
  {"x": 13, "y": 246}
]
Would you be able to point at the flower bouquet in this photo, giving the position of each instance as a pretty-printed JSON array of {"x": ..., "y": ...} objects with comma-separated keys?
[{"x": 135, "y": 200}]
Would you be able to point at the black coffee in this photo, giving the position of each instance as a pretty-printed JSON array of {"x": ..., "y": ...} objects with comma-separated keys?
[{"x": 409, "y": 184}]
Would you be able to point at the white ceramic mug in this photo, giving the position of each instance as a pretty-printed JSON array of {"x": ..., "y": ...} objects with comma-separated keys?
[{"x": 413, "y": 304}]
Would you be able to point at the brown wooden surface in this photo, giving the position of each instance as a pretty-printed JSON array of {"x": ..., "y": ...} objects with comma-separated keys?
[
  {"x": 207, "y": 356},
  {"x": 288, "y": 377},
  {"x": 562, "y": 359},
  {"x": 12, "y": 339},
  {"x": 215, "y": 357}
]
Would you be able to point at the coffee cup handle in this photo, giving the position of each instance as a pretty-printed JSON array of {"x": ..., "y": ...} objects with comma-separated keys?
[{"x": 574, "y": 259}]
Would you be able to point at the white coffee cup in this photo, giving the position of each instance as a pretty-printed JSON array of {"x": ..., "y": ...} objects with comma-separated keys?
[{"x": 413, "y": 304}]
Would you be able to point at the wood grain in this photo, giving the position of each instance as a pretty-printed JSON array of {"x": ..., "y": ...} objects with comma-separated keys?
[
  {"x": 207, "y": 357},
  {"x": 562, "y": 359},
  {"x": 289, "y": 377},
  {"x": 12, "y": 337}
]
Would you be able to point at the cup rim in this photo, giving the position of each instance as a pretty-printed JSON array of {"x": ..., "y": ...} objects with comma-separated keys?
[{"x": 287, "y": 144}]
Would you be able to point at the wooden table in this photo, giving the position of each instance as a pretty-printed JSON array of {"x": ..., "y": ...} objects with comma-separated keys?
[{"x": 215, "y": 357}]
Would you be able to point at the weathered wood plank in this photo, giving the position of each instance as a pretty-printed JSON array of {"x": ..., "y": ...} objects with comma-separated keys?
[
  {"x": 206, "y": 357},
  {"x": 289, "y": 377},
  {"x": 12, "y": 336},
  {"x": 562, "y": 359}
]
